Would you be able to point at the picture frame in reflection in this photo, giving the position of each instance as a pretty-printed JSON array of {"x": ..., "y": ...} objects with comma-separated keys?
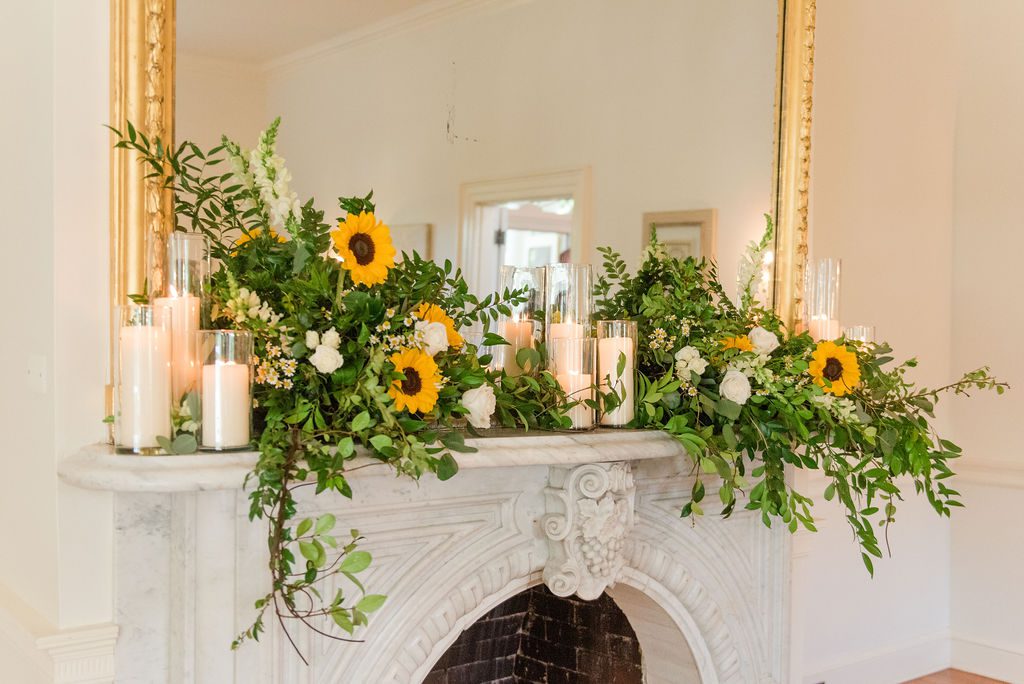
[{"x": 685, "y": 233}]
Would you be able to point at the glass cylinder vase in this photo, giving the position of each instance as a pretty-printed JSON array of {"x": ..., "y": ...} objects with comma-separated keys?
[
  {"x": 519, "y": 327},
  {"x": 571, "y": 361},
  {"x": 186, "y": 293},
  {"x": 142, "y": 410},
  {"x": 864, "y": 334},
  {"x": 568, "y": 301},
  {"x": 822, "y": 296},
  {"x": 225, "y": 393},
  {"x": 616, "y": 368}
]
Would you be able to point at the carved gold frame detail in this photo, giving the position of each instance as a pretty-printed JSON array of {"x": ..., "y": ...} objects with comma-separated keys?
[
  {"x": 142, "y": 90},
  {"x": 792, "y": 160}
]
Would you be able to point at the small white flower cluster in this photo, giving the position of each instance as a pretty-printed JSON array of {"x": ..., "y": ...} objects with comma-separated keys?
[
  {"x": 183, "y": 419},
  {"x": 325, "y": 357},
  {"x": 840, "y": 407},
  {"x": 276, "y": 370},
  {"x": 688, "y": 360},
  {"x": 247, "y": 305},
  {"x": 659, "y": 339}
]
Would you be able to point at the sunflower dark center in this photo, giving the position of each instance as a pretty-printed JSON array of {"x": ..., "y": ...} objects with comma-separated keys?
[
  {"x": 362, "y": 247},
  {"x": 412, "y": 383},
  {"x": 833, "y": 369}
]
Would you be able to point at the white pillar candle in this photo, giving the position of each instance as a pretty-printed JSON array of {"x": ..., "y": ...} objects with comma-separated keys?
[
  {"x": 609, "y": 350},
  {"x": 227, "y": 401},
  {"x": 578, "y": 387},
  {"x": 145, "y": 386},
  {"x": 184, "y": 353},
  {"x": 822, "y": 328},
  {"x": 565, "y": 359},
  {"x": 519, "y": 335}
]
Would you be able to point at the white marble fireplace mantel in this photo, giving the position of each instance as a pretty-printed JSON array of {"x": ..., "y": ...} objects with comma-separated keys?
[
  {"x": 188, "y": 562},
  {"x": 98, "y": 467}
]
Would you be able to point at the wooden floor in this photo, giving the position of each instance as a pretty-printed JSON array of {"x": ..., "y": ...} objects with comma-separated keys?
[{"x": 954, "y": 677}]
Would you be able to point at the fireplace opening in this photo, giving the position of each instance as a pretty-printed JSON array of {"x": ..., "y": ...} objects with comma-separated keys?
[{"x": 536, "y": 637}]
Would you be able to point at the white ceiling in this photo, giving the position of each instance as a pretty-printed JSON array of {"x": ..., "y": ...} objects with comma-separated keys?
[{"x": 259, "y": 31}]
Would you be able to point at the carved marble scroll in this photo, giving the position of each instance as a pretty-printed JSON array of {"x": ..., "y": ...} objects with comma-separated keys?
[{"x": 590, "y": 512}]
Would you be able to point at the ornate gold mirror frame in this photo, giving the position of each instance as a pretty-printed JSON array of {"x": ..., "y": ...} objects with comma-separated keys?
[{"x": 142, "y": 91}]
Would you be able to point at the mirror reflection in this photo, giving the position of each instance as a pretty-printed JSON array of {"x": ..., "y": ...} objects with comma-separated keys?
[{"x": 506, "y": 131}]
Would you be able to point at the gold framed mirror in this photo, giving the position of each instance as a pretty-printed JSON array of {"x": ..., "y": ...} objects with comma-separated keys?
[{"x": 143, "y": 91}]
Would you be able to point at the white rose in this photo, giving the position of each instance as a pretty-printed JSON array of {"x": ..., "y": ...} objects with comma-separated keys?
[
  {"x": 735, "y": 387},
  {"x": 326, "y": 359},
  {"x": 686, "y": 355},
  {"x": 434, "y": 336},
  {"x": 764, "y": 341},
  {"x": 688, "y": 360},
  {"x": 479, "y": 401},
  {"x": 312, "y": 339},
  {"x": 331, "y": 338}
]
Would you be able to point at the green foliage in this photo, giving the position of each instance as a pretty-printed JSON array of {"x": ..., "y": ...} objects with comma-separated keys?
[
  {"x": 281, "y": 282},
  {"x": 867, "y": 443}
]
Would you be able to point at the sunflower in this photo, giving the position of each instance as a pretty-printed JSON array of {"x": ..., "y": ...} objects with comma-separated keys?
[
  {"x": 418, "y": 391},
  {"x": 834, "y": 368},
  {"x": 435, "y": 314},
  {"x": 741, "y": 342},
  {"x": 250, "y": 235},
  {"x": 365, "y": 247}
]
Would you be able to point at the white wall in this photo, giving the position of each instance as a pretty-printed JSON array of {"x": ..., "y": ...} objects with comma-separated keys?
[
  {"x": 882, "y": 185},
  {"x": 56, "y": 570},
  {"x": 215, "y": 98},
  {"x": 988, "y": 239},
  {"x": 29, "y": 559},
  {"x": 670, "y": 103}
]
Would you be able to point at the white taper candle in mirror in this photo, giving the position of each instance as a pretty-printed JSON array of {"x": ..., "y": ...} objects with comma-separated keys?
[
  {"x": 860, "y": 333},
  {"x": 186, "y": 291},
  {"x": 616, "y": 369},
  {"x": 821, "y": 291},
  {"x": 225, "y": 389},
  {"x": 571, "y": 361},
  {"x": 142, "y": 410}
]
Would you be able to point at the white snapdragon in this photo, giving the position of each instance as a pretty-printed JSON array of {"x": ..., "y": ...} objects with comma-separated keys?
[
  {"x": 764, "y": 341},
  {"x": 688, "y": 360},
  {"x": 432, "y": 336},
  {"x": 247, "y": 306},
  {"x": 735, "y": 387},
  {"x": 326, "y": 359},
  {"x": 480, "y": 403}
]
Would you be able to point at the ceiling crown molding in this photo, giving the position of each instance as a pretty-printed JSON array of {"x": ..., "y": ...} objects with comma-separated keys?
[{"x": 414, "y": 18}]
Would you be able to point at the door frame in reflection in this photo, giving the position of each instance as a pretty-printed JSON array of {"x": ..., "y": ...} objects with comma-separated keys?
[{"x": 477, "y": 197}]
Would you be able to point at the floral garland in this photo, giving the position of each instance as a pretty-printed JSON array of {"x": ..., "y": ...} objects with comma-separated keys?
[
  {"x": 361, "y": 354},
  {"x": 747, "y": 401}
]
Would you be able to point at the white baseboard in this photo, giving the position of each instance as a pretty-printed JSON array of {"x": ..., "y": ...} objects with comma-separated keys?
[
  {"x": 84, "y": 655},
  {"x": 890, "y": 665},
  {"x": 997, "y": 661}
]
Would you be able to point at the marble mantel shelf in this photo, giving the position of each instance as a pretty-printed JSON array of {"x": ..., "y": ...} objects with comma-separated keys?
[{"x": 98, "y": 467}]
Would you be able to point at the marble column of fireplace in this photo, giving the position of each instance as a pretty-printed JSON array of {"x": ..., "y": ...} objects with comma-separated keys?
[{"x": 189, "y": 564}]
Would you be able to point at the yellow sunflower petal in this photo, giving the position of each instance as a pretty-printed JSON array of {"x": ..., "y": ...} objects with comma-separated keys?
[
  {"x": 365, "y": 247},
  {"x": 741, "y": 342},
  {"x": 417, "y": 392},
  {"x": 834, "y": 368}
]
